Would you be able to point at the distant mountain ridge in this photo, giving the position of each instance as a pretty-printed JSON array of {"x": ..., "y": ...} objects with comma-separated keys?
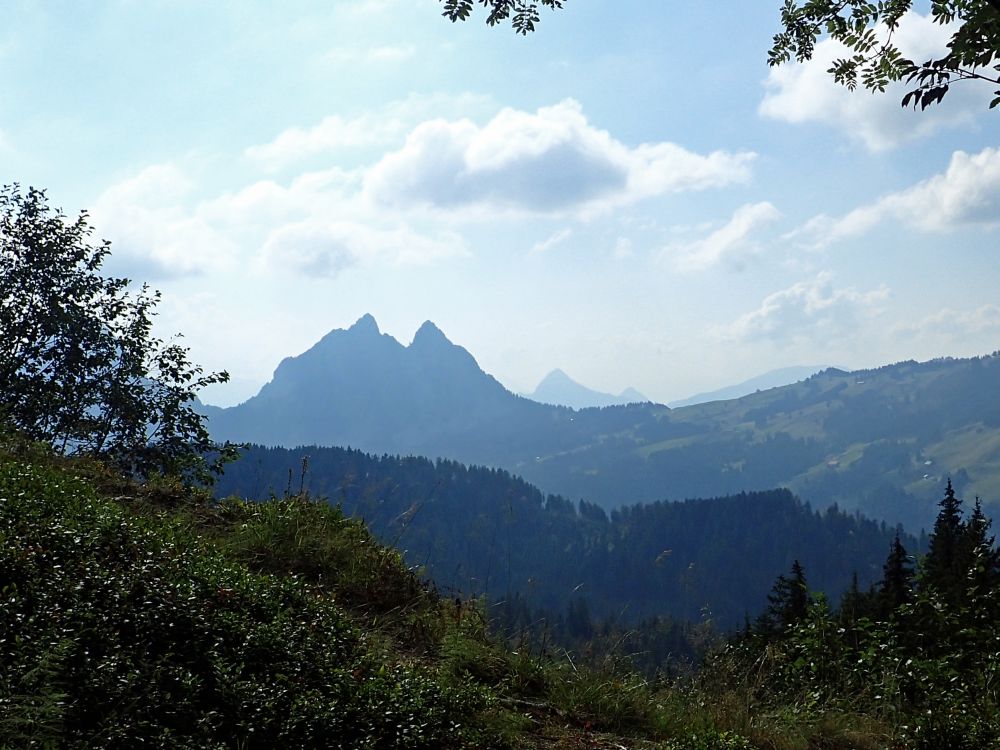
[
  {"x": 559, "y": 389},
  {"x": 770, "y": 379},
  {"x": 882, "y": 441}
]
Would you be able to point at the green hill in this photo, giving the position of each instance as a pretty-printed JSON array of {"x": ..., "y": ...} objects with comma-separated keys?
[{"x": 881, "y": 441}]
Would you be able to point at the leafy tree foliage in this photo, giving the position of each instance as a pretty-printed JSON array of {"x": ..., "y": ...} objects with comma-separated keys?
[
  {"x": 864, "y": 27},
  {"x": 867, "y": 30},
  {"x": 523, "y": 14},
  {"x": 79, "y": 365}
]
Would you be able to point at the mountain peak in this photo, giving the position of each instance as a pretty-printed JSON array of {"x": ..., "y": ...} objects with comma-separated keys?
[
  {"x": 366, "y": 324},
  {"x": 559, "y": 388},
  {"x": 556, "y": 376},
  {"x": 428, "y": 333}
]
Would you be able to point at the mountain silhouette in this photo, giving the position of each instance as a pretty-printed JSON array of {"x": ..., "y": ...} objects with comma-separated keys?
[
  {"x": 361, "y": 387},
  {"x": 560, "y": 389}
]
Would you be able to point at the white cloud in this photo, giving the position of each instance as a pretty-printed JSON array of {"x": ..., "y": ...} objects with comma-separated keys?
[
  {"x": 153, "y": 234},
  {"x": 548, "y": 162},
  {"x": 324, "y": 250},
  {"x": 812, "y": 309},
  {"x": 338, "y": 133},
  {"x": 726, "y": 243},
  {"x": 333, "y": 133},
  {"x": 315, "y": 225},
  {"x": 967, "y": 194},
  {"x": 547, "y": 244},
  {"x": 321, "y": 222},
  {"x": 806, "y": 92}
]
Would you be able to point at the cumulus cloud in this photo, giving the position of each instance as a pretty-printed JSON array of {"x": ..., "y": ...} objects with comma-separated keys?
[
  {"x": 337, "y": 133},
  {"x": 728, "y": 242},
  {"x": 967, "y": 194},
  {"x": 813, "y": 309},
  {"x": 313, "y": 225},
  {"x": 153, "y": 233},
  {"x": 806, "y": 92},
  {"x": 552, "y": 161},
  {"x": 333, "y": 133},
  {"x": 324, "y": 250},
  {"x": 321, "y": 222}
]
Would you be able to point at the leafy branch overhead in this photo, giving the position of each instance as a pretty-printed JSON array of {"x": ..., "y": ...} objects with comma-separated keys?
[
  {"x": 868, "y": 29},
  {"x": 523, "y": 14}
]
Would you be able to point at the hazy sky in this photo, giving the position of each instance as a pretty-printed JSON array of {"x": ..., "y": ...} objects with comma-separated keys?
[{"x": 629, "y": 194}]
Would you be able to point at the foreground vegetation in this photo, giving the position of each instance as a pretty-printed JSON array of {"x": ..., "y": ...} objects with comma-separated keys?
[
  {"x": 146, "y": 614},
  {"x": 139, "y": 615}
]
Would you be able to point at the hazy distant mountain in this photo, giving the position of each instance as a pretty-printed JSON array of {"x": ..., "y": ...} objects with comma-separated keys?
[
  {"x": 771, "y": 379},
  {"x": 363, "y": 388},
  {"x": 882, "y": 441},
  {"x": 560, "y": 389}
]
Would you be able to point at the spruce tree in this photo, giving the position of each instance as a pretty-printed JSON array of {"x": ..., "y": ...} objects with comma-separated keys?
[
  {"x": 897, "y": 579},
  {"x": 977, "y": 555},
  {"x": 788, "y": 603},
  {"x": 942, "y": 566}
]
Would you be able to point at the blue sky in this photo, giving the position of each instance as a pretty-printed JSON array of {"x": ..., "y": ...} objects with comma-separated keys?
[{"x": 630, "y": 194}]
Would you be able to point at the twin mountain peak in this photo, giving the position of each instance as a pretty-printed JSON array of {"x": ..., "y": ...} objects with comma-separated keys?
[
  {"x": 431, "y": 355},
  {"x": 363, "y": 388}
]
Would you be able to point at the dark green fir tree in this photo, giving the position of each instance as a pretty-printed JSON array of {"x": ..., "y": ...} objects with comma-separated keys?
[
  {"x": 787, "y": 603},
  {"x": 943, "y": 564},
  {"x": 896, "y": 588}
]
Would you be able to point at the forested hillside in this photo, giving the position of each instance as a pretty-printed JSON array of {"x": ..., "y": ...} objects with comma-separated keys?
[
  {"x": 881, "y": 441},
  {"x": 480, "y": 530}
]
